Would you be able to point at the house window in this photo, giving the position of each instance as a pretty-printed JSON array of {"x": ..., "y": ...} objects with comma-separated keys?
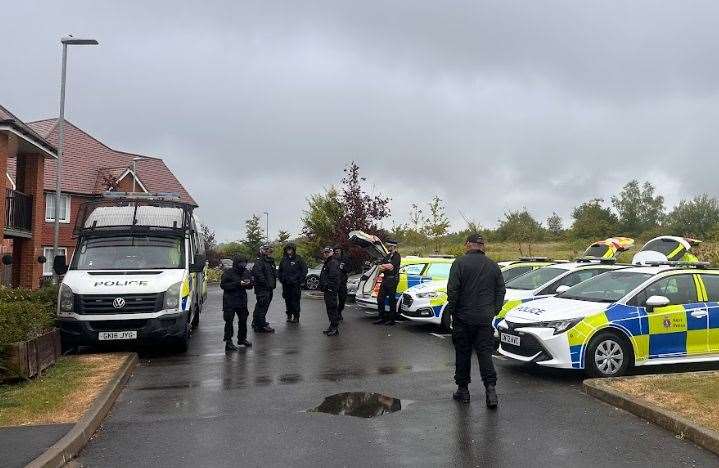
[
  {"x": 64, "y": 207},
  {"x": 47, "y": 253}
]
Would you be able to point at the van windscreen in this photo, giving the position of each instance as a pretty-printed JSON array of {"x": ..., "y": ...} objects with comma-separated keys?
[{"x": 129, "y": 253}]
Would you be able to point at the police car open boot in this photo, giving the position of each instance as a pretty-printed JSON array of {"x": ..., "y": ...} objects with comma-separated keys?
[
  {"x": 462, "y": 394},
  {"x": 229, "y": 346},
  {"x": 492, "y": 400}
]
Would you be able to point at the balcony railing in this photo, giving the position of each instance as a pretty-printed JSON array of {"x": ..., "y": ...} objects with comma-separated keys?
[{"x": 18, "y": 211}]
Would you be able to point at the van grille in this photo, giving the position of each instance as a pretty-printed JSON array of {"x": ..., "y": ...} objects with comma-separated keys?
[{"x": 134, "y": 303}]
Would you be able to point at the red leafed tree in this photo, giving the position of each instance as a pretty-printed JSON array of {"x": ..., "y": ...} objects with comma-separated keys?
[{"x": 332, "y": 216}]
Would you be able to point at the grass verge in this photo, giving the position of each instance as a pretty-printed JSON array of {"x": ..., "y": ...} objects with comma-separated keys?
[
  {"x": 62, "y": 394},
  {"x": 695, "y": 396}
]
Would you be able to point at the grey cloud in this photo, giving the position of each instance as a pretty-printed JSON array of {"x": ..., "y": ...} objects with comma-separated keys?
[{"x": 493, "y": 105}]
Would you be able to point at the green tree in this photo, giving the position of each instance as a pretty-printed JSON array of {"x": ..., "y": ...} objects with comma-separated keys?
[
  {"x": 208, "y": 237},
  {"x": 593, "y": 221},
  {"x": 321, "y": 219},
  {"x": 283, "y": 236},
  {"x": 436, "y": 223},
  {"x": 639, "y": 208},
  {"x": 698, "y": 217},
  {"x": 555, "y": 225},
  {"x": 254, "y": 234},
  {"x": 520, "y": 227}
]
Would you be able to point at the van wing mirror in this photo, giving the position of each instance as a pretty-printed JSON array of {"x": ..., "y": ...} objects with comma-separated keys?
[
  {"x": 198, "y": 264},
  {"x": 657, "y": 301},
  {"x": 59, "y": 265}
]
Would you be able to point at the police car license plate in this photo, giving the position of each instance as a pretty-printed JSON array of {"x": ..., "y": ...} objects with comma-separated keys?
[
  {"x": 117, "y": 335},
  {"x": 509, "y": 339}
]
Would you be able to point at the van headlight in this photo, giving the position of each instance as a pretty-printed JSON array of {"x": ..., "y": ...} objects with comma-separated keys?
[
  {"x": 172, "y": 296},
  {"x": 66, "y": 298},
  {"x": 560, "y": 326}
]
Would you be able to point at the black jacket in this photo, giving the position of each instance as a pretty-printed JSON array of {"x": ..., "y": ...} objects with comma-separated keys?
[
  {"x": 265, "y": 274},
  {"x": 330, "y": 276},
  {"x": 475, "y": 291},
  {"x": 344, "y": 261},
  {"x": 293, "y": 270},
  {"x": 235, "y": 282}
]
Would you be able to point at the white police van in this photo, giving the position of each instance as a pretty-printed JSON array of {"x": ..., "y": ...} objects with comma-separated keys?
[{"x": 137, "y": 274}]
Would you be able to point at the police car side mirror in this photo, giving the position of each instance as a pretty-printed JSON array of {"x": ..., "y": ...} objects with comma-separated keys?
[
  {"x": 59, "y": 265},
  {"x": 562, "y": 289},
  {"x": 657, "y": 301}
]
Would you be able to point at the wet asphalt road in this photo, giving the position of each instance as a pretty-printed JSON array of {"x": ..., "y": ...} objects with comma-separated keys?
[{"x": 206, "y": 408}]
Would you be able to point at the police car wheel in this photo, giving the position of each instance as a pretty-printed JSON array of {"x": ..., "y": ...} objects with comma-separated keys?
[{"x": 608, "y": 355}]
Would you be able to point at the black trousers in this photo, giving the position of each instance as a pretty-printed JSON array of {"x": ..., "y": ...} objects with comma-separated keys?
[
  {"x": 341, "y": 298},
  {"x": 292, "y": 294},
  {"x": 331, "y": 303},
  {"x": 387, "y": 292},
  {"x": 478, "y": 338},
  {"x": 264, "y": 298},
  {"x": 229, "y": 316}
]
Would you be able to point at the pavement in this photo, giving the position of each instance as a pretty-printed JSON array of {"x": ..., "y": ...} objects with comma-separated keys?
[
  {"x": 20, "y": 445},
  {"x": 209, "y": 408}
]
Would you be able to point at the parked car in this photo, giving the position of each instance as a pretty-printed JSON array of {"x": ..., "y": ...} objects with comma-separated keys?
[
  {"x": 667, "y": 313},
  {"x": 413, "y": 270}
]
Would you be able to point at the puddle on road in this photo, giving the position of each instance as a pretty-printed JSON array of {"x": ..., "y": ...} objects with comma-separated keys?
[{"x": 358, "y": 404}]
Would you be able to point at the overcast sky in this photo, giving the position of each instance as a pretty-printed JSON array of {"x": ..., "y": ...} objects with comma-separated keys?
[{"x": 493, "y": 105}]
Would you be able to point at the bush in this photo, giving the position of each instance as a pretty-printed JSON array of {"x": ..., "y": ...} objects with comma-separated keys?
[
  {"x": 214, "y": 275},
  {"x": 25, "y": 314},
  {"x": 24, "y": 320}
]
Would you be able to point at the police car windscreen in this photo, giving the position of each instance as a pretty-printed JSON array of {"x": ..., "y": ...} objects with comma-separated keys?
[
  {"x": 607, "y": 287},
  {"x": 536, "y": 278},
  {"x": 129, "y": 253}
]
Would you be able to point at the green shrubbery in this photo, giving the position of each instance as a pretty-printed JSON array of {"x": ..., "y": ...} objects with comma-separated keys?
[
  {"x": 214, "y": 275},
  {"x": 25, "y": 314}
]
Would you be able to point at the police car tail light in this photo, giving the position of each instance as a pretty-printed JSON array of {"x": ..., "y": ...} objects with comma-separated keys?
[
  {"x": 66, "y": 298},
  {"x": 172, "y": 296},
  {"x": 560, "y": 326}
]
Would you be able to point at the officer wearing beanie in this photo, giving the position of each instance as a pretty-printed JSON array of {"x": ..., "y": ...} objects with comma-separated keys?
[{"x": 475, "y": 294}]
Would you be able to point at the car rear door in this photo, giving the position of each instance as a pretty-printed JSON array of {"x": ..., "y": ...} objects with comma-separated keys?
[{"x": 371, "y": 244}]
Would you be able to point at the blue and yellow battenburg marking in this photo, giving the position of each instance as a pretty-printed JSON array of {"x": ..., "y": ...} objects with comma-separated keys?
[
  {"x": 509, "y": 305},
  {"x": 671, "y": 331}
]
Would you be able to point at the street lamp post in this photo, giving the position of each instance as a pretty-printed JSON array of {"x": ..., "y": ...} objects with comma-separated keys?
[
  {"x": 267, "y": 225},
  {"x": 65, "y": 41}
]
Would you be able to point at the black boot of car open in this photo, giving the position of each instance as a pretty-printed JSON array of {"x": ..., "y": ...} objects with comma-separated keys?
[
  {"x": 462, "y": 394},
  {"x": 492, "y": 400},
  {"x": 229, "y": 346}
]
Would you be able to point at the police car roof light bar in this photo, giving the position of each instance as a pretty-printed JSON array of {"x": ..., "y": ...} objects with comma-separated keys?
[
  {"x": 535, "y": 259},
  {"x": 679, "y": 264}
]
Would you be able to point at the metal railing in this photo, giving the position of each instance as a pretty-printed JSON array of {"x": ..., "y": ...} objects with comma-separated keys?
[{"x": 18, "y": 211}]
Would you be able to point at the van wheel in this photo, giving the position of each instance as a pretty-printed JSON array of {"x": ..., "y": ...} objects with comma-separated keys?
[
  {"x": 608, "y": 355},
  {"x": 183, "y": 343},
  {"x": 446, "y": 322},
  {"x": 195, "y": 317}
]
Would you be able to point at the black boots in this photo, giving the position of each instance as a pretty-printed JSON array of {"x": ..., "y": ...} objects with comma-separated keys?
[
  {"x": 244, "y": 343},
  {"x": 333, "y": 331},
  {"x": 492, "y": 400},
  {"x": 462, "y": 394},
  {"x": 229, "y": 346},
  {"x": 380, "y": 322},
  {"x": 264, "y": 329}
]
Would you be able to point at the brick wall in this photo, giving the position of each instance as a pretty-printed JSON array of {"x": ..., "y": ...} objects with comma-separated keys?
[{"x": 66, "y": 229}]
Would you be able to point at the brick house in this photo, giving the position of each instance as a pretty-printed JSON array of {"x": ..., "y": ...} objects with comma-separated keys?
[
  {"x": 22, "y": 203},
  {"x": 90, "y": 168}
]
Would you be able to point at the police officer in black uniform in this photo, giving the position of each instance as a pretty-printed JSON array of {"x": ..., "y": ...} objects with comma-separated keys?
[
  {"x": 344, "y": 262},
  {"x": 388, "y": 289},
  {"x": 292, "y": 273},
  {"x": 234, "y": 283},
  {"x": 264, "y": 273},
  {"x": 475, "y": 294},
  {"x": 329, "y": 284}
]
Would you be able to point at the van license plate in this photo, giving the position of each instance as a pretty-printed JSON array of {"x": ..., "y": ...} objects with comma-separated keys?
[
  {"x": 510, "y": 339},
  {"x": 118, "y": 335}
]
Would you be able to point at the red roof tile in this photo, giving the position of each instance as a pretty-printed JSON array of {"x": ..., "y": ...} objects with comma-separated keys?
[{"x": 85, "y": 159}]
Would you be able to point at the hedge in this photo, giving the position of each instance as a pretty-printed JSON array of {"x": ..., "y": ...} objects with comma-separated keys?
[{"x": 26, "y": 314}]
